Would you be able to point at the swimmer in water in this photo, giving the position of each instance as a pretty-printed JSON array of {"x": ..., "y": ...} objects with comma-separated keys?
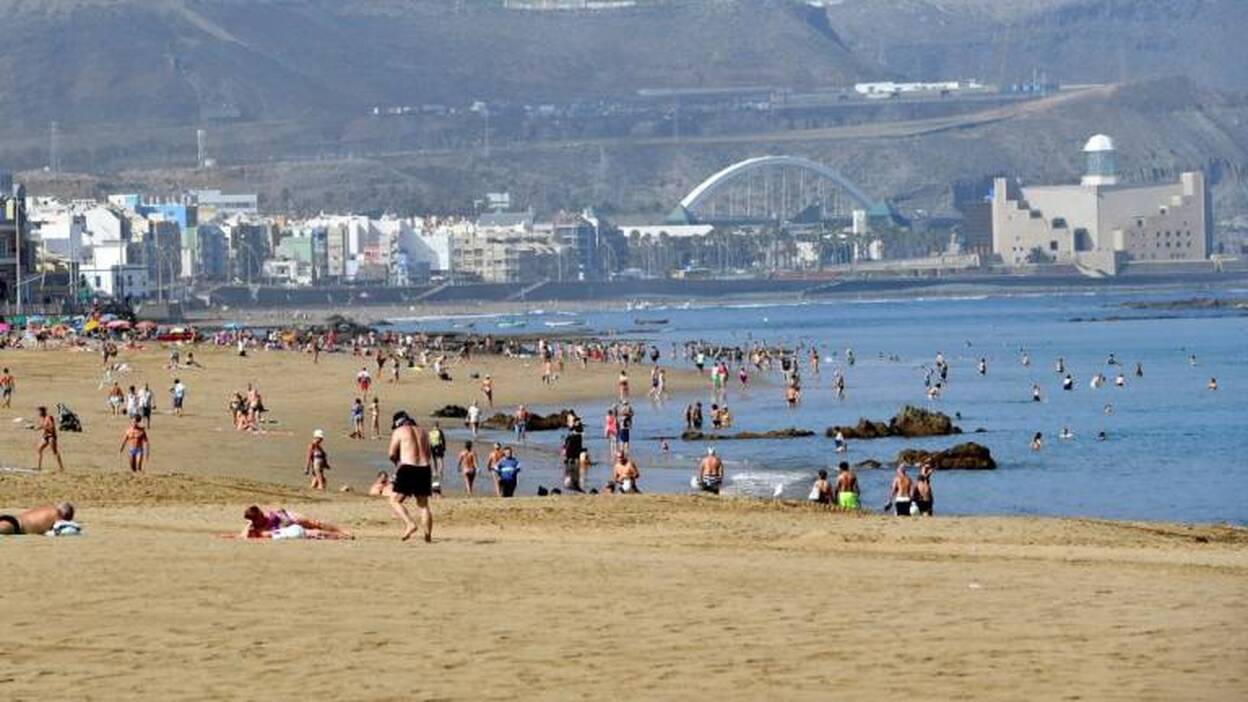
[
  {"x": 1066, "y": 434},
  {"x": 1035, "y": 392},
  {"x": 1213, "y": 384},
  {"x": 1109, "y": 408},
  {"x": 1037, "y": 442}
]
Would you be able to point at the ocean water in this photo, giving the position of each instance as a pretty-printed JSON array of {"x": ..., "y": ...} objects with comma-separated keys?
[{"x": 1174, "y": 449}]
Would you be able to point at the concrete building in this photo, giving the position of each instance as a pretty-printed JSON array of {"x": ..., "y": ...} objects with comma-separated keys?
[
  {"x": 205, "y": 254},
  {"x": 214, "y": 204},
  {"x": 1100, "y": 223},
  {"x": 503, "y": 248},
  {"x": 14, "y": 237}
]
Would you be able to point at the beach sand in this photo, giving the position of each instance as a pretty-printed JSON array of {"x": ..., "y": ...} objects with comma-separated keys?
[
  {"x": 570, "y": 597},
  {"x": 300, "y": 397},
  {"x": 623, "y": 598}
]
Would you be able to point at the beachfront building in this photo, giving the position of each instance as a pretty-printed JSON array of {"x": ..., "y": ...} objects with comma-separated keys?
[
  {"x": 14, "y": 237},
  {"x": 1101, "y": 224},
  {"x": 503, "y": 248}
]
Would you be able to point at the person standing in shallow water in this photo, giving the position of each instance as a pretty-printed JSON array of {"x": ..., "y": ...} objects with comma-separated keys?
[{"x": 900, "y": 493}]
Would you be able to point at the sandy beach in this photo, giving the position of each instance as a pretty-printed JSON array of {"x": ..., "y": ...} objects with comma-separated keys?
[{"x": 637, "y": 597}]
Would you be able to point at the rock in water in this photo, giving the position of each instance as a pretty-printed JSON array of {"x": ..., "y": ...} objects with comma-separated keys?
[
  {"x": 451, "y": 412},
  {"x": 967, "y": 456},
  {"x": 910, "y": 422},
  {"x": 914, "y": 421},
  {"x": 537, "y": 422}
]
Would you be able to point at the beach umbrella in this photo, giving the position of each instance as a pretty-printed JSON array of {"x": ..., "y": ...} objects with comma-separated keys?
[
  {"x": 146, "y": 325},
  {"x": 119, "y": 324},
  {"x": 4, "y": 327}
]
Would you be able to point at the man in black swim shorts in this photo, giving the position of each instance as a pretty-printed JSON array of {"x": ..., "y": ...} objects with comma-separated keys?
[{"x": 410, "y": 453}]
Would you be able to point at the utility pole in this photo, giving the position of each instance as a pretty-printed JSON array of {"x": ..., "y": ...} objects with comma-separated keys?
[
  {"x": 17, "y": 221},
  {"x": 54, "y": 147}
]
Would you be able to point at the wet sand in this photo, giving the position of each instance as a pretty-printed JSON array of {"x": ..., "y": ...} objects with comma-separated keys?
[{"x": 569, "y": 597}]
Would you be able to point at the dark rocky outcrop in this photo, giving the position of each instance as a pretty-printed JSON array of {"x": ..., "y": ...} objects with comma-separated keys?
[
  {"x": 910, "y": 422},
  {"x": 790, "y": 433},
  {"x": 869, "y": 464},
  {"x": 967, "y": 456},
  {"x": 537, "y": 422},
  {"x": 451, "y": 412}
]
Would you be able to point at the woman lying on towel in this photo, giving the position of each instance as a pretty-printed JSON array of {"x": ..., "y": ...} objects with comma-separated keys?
[{"x": 284, "y": 524}]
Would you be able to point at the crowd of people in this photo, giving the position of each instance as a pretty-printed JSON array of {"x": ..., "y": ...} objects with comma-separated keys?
[{"x": 417, "y": 452}]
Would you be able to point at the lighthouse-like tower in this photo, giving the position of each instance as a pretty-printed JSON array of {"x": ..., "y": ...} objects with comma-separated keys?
[{"x": 1102, "y": 168}]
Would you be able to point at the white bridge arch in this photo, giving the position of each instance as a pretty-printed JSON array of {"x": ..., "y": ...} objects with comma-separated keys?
[{"x": 708, "y": 187}]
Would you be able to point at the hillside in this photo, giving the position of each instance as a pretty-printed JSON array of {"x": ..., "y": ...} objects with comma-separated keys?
[
  {"x": 1073, "y": 41},
  {"x": 183, "y": 61},
  {"x": 1161, "y": 128}
]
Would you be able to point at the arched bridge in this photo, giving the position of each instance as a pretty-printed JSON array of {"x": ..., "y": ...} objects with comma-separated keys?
[{"x": 789, "y": 194}]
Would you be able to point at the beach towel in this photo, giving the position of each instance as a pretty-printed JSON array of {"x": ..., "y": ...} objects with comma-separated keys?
[{"x": 64, "y": 527}]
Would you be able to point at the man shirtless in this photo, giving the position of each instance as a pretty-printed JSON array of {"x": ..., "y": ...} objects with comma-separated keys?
[
  {"x": 845, "y": 493},
  {"x": 38, "y": 520},
  {"x": 625, "y": 474},
  {"x": 711, "y": 472},
  {"x": 136, "y": 440},
  {"x": 413, "y": 477},
  {"x": 47, "y": 430},
  {"x": 900, "y": 492}
]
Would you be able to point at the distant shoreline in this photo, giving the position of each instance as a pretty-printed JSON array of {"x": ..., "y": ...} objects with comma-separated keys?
[{"x": 598, "y": 297}]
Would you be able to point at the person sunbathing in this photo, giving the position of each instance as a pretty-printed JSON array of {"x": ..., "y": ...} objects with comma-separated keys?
[
  {"x": 38, "y": 520},
  {"x": 284, "y": 524}
]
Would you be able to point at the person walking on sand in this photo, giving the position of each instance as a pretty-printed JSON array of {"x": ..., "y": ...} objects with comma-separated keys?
[
  {"x": 357, "y": 419},
  {"x": 899, "y": 494},
  {"x": 468, "y": 467},
  {"x": 177, "y": 395},
  {"x": 487, "y": 389},
  {"x": 6, "y": 389},
  {"x": 413, "y": 476},
  {"x": 147, "y": 402},
  {"x": 318, "y": 460},
  {"x": 47, "y": 440},
  {"x": 374, "y": 416},
  {"x": 140, "y": 448}
]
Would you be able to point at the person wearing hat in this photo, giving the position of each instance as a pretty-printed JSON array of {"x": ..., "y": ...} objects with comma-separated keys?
[
  {"x": 711, "y": 472},
  {"x": 318, "y": 460},
  {"x": 413, "y": 476}
]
